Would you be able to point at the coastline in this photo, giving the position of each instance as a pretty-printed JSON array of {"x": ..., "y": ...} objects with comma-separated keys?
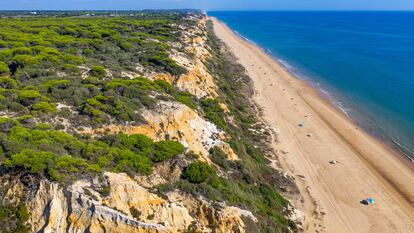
[
  {"x": 393, "y": 145},
  {"x": 325, "y": 93},
  {"x": 369, "y": 166}
]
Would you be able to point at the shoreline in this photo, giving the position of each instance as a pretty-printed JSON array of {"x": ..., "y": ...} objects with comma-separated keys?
[
  {"x": 372, "y": 166},
  {"x": 327, "y": 95},
  {"x": 398, "y": 149}
]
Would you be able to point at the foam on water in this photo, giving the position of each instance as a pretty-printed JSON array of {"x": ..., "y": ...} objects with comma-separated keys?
[
  {"x": 323, "y": 91},
  {"x": 245, "y": 38}
]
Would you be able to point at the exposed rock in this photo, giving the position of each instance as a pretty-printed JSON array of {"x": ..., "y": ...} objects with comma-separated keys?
[
  {"x": 126, "y": 194},
  {"x": 80, "y": 209},
  {"x": 226, "y": 219},
  {"x": 12, "y": 194},
  {"x": 161, "y": 76},
  {"x": 167, "y": 172},
  {"x": 129, "y": 207},
  {"x": 129, "y": 74},
  {"x": 198, "y": 81},
  {"x": 230, "y": 219},
  {"x": 177, "y": 121}
]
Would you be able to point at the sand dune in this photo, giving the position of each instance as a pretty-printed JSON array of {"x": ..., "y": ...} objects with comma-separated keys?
[{"x": 331, "y": 192}]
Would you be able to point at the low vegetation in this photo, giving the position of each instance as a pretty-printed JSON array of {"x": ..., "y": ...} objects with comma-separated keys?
[
  {"x": 78, "y": 62},
  {"x": 102, "y": 42},
  {"x": 251, "y": 182},
  {"x": 61, "y": 74},
  {"x": 13, "y": 219},
  {"x": 198, "y": 172},
  {"x": 62, "y": 157}
]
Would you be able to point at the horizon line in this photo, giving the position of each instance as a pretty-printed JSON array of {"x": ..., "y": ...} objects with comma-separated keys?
[{"x": 212, "y": 10}]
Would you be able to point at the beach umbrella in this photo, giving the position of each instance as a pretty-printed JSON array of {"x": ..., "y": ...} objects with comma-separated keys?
[{"x": 371, "y": 200}]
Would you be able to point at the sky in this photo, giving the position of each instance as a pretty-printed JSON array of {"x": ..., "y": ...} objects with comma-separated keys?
[{"x": 207, "y": 4}]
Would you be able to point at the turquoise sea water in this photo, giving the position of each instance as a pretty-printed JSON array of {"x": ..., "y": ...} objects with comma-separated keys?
[{"x": 362, "y": 61}]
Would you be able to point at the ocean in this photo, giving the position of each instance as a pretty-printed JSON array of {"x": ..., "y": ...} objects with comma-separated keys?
[{"x": 362, "y": 61}]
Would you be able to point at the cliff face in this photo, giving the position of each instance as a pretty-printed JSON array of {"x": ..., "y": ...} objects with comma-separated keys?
[
  {"x": 128, "y": 204},
  {"x": 117, "y": 202},
  {"x": 127, "y": 207},
  {"x": 177, "y": 121},
  {"x": 198, "y": 81},
  {"x": 190, "y": 52}
]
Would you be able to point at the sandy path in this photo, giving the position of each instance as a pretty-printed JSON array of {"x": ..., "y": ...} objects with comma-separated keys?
[{"x": 331, "y": 193}]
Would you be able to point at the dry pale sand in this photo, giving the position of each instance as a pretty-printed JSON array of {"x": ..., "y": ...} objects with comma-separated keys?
[{"x": 331, "y": 193}]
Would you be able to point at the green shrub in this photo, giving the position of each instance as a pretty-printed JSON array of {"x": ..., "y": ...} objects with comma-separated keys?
[
  {"x": 98, "y": 71},
  {"x": 213, "y": 112},
  {"x": 35, "y": 162},
  {"x": 25, "y": 119},
  {"x": 87, "y": 52},
  {"x": 94, "y": 168},
  {"x": 13, "y": 218},
  {"x": 71, "y": 69},
  {"x": 26, "y": 95},
  {"x": 22, "y": 50},
  {"x": 124, "y": 45},
  {"x": 166, "y": 149},
  {"x": 43, "y": 126},
  {"x": 167, "y": 64},
  {"x": 3, "y": 44},
  {"x": 44, "y": 107},
  {"x": 186, "y": 98},
  {"x": 24, "y": 60},
  {"x": 69, "y": 164},
  {"x": 7, "y": 83},
  {"x": 105, "y": 191},
  {"x": 60, "y": 84},
  {"x": 128, "y": 161},
  {"x": 219, "y": 157},
  {"x": 141, "y": 142},
  {"x": 183, "y": 97},
  {"x": 4, "y": 68},
  {"x": 197, "y": 172},
  {"x": 7, "y": 123},
  {"x": 72, "y": 59},
  {"x": 273, "y": 198}
]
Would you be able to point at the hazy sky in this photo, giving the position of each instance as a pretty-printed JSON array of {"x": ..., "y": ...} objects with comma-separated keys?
[{"x": 208, "y": 4}]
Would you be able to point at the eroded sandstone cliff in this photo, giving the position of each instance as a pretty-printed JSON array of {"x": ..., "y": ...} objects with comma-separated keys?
[
  {"x": 133, "y": 202},
  {"x": 126, "y": 207}
]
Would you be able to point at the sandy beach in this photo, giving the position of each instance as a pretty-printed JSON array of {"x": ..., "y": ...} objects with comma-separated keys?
[{"x": 331, "y": 193}]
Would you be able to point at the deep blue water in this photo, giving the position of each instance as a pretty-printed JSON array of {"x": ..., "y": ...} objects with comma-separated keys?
[{"x": 364, "y": 60}]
